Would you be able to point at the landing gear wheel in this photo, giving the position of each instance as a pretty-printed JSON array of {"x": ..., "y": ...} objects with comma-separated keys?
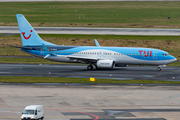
[
  {"x": 96, "y": 67},
  {"x": 89, "y": 67},
  {"x": 159, "y": 68}
]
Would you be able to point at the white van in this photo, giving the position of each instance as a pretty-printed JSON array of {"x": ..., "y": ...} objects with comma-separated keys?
[{"x": 33, "y": 112}]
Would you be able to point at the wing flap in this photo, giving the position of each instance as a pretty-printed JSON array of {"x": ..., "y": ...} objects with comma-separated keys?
[{"x": 83, "y": 58}]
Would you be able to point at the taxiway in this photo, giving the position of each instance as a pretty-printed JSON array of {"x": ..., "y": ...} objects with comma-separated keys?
[
  {"x": 80, "y": 71},
  {"x": 95, "y": 31}
]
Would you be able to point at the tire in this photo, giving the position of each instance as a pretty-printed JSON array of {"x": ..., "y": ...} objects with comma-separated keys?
[
  {"x": 159, "y": 69},
  {"x": 89, "y": 67}
]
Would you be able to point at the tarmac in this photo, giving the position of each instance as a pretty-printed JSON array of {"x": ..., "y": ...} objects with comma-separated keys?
[
  {"x": 95, "y": 102},
  {"x": 168, "y": 73},
  {"x": 10, "y": 30},
  {"x": 91, "y": 101}
]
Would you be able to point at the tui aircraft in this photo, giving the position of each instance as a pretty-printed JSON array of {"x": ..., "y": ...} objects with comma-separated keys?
[{"x": 96, "y": 56}]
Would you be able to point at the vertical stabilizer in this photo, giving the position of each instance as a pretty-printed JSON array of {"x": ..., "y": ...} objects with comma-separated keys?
[{"x": 29, "y": 36}]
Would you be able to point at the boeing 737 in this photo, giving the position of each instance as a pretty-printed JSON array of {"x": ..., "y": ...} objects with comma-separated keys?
[{"x": 95, "y": 56}]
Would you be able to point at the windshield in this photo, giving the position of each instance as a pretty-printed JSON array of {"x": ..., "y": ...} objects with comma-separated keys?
[
  {"x": 165, "y": 54},
  {"x": 28, "y": 112}
]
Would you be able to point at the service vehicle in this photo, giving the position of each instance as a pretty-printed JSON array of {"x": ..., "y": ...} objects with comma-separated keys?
[{"x": 33, "y": 112}]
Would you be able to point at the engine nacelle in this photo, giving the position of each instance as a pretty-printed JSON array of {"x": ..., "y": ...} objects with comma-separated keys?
[{"x": 105, "y": 64}]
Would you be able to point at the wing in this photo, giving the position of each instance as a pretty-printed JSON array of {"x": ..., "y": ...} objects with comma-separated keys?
[{"x": 83, "y": 59}]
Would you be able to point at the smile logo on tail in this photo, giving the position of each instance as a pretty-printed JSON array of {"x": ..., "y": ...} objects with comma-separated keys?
[{"x": 23, "y": 33}]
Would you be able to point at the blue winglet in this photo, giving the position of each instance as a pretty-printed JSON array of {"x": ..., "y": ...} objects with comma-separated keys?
[
  {"x": 45, "y": 48},
  {"x": 48, "y": 52},
  {"x": 97, "y": 44}
]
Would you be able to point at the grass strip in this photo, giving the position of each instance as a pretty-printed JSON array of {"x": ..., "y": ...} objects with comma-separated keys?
[
  {"x": 23, "y": 79},
  {"x": 168, "y": 43},
  {"x": 94, "y": 14}
]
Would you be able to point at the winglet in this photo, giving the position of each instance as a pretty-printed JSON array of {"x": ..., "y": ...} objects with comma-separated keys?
[
  {"x": 48, "y": 52},
  {"x": 45, "y": 48},
  {"x": 97, "y": 44}
]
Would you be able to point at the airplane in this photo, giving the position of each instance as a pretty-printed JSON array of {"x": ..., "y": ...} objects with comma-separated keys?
[{"x": 99, "y": 57}]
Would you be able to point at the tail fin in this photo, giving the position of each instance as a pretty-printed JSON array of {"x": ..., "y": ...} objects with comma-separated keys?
[{"x": 29, "y": 36}]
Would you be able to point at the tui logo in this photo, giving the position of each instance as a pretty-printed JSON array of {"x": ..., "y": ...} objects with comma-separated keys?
[{"x": 23, "y": 33}]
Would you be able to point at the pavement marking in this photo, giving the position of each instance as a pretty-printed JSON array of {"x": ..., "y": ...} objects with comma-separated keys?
[
  {"x": 10, "y": 112},
  {"x": 172, "y": 97}
]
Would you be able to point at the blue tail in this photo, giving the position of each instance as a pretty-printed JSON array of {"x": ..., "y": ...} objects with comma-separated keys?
[{"x": 29, "y": 36}]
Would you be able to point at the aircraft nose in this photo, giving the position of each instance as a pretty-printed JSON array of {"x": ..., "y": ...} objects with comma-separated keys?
[{"x": 173, "y": 58}]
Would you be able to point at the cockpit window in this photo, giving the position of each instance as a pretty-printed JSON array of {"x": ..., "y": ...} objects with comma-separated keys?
[{"x": 165, "y": 54}]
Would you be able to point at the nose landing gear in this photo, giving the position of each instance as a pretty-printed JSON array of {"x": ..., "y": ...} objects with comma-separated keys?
[
  {"x": 159, "y": 69},
  {"x": 160, "y": 66}
]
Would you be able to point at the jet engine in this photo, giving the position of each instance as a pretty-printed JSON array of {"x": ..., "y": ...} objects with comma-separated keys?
[{"x": 105, "y": 64}]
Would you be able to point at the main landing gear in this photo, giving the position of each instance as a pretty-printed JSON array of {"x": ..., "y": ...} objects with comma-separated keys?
[{"x": 89, "y": 67}]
